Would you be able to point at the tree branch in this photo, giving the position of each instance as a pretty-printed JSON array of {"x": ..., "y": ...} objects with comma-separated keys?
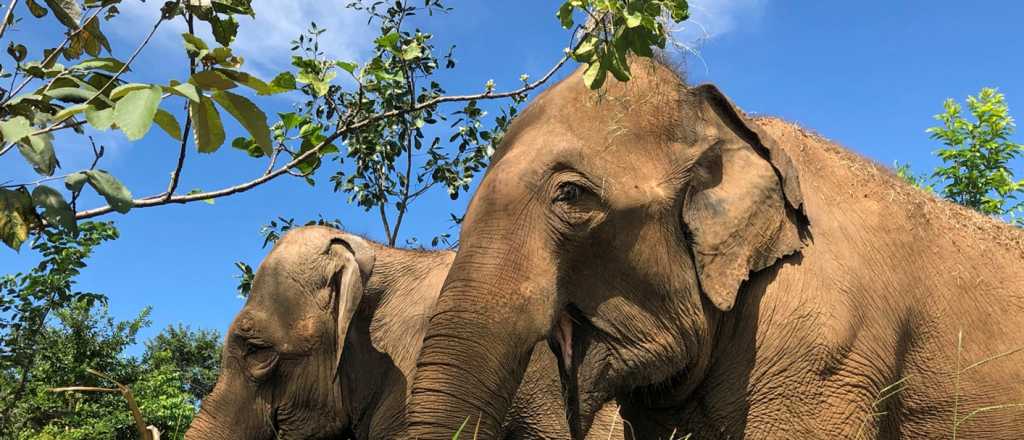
[
  {"x": 8, "y": 16},
  {"x": 163, "y": 199}
]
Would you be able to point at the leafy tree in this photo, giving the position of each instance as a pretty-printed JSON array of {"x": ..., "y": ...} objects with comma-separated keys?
[
  {"x": 194, "y": 354},
  {"x": 977, "y": 154},
  {"x": 177, "y": 367},
  {"x": 379, "y": 118},
  {"x": 28, "y": 300}
]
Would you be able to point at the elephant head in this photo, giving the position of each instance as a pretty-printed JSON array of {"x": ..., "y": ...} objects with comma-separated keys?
[
  {"x": 281, "y": 355},
  {"x": 618, "y": 226}
]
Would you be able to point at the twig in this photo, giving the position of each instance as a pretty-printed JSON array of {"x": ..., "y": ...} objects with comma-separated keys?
[
  {"x": 124, "y": 390},
  {"x": 53, "y": 55},
  {"x": 176, "y": 174},
  {"x": 52, "y": 128},
  {"x": 128, "y": 63},
  {"x": 160, "y": 199},
  {"x": 7, "y": 17}
]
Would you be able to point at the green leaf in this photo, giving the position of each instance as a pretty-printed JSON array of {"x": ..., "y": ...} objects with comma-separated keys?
[
  {"x": 56, "y": 210},
  {"x": 100, "y": 119},
  {"x": 291, "y": 120},
  {"x": 111, "y": 65},
  {"x": 206, "y": 125},
  {"x": 111, "y": 189},
  {"x": 75, "y": 181},
  {"x": 69, "y": 94},
  {"x": 135, "y": 112},
  {"x": 347, "y": 66},
  {"x": 17, "y": 216},
  {"x": 37, "y": 10},
  {"x": 212, "y": 80},
  {"x": 594, "y": 76},
  {"x": 168, "y": 123},
  {"x": 69, "y": 112},
  {"x": 125, "y": 89},
  {"x": 243, "y": 7},
  {"x": 224, "y": 29},
  {"x": 617, "y": 64},
  {"x": 38, "y": 150},
  {"x": 284, "y": 81},
  {"x": 194, "y": 46},
  {"x": 565, "y": 14},
  {"x": 633, "y": 19},
  {"x": 248, "y": 146},
  {"x": 261, "y": 88},
  {"x": 388, "y": 41},
  {"x": 412, "y": 51},
  {"x": 249, "y": 115},
  {"x": 15, "y": 128},
  {"x": 67, "y": 11},
  {"x": 185, "y": 90}
]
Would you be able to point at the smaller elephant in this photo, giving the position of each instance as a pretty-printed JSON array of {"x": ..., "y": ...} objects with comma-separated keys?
[{"x": 326, "y": 347}]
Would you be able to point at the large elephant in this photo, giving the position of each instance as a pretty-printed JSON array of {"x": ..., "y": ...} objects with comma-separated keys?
[
  {"x": 285, "y": 373},
  {"x": 720, "y": 276}
]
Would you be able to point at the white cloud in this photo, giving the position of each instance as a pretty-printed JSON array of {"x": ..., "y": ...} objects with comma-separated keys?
[
  {"x": 265, "y": 42},
  {"x": 713, "y": 18}
]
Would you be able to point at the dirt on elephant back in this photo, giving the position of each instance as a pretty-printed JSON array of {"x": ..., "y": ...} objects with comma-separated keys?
[{"x": 880, "y": 183}]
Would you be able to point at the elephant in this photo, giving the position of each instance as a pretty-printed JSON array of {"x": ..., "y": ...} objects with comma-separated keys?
[
  {"x": 326, "y": 343},
  {"x": 719, "y": 275}
]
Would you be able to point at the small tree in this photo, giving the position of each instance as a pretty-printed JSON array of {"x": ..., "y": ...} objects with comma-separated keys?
[{"x": 977, "y": 154}]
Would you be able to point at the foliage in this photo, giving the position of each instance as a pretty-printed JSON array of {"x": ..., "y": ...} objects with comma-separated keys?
[
  {"x": 177, "y": 365},
  {"x": 380, "y": 116},
  {"x": 50, "y": 334},
  {"x": 977, "y": 155},
  {"x": 27, "y": 301},
  {"x": 922, "y": 181},
  {"x": 617, "y": 28}
]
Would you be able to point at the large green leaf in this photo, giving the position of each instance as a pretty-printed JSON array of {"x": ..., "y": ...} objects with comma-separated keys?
[
  {"x": 206, "y": 125},
  {"x": 38, "y": 150},
  {"x": 185, "y": 90},
  {"x": 100, "y": 119},
  {"x": 74, "y": 181},
  {"x": 212, "y": 80},
  {"x": 17, "y": 216},
  {"x": 595, "y": 74},
  {"x": 125, "y": 89},
  {"x": 69, "y": 112},
  {"x": 37, "y": 10},
  {"x": 69, "y": 94},
  {"x": 111, "y": 65},
  {"x": 249, "y": 115},
  {"x": 56, "y": 210},
  {"x": 111, "y": 189},
  {"x": 254, "y": 83},
  {"x": 15, "y": 128},
  {"x": 135, "y": 112},
  {"x": 224, "y": 29},
  {"x": 168, "y": 123},
  {"x": 67, "y": 11}
]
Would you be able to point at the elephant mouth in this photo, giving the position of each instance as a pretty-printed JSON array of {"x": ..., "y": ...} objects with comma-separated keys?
[{"x": 566, "y": 343}]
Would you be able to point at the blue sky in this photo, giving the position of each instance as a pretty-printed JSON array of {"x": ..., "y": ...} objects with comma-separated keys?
[{"x": 868, "y": 75}]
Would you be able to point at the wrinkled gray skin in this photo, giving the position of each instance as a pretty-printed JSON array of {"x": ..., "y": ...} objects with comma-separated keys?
[{"x": 278, "y": 368}]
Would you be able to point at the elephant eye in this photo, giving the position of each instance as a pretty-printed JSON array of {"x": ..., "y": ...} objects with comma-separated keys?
[
  {"x": 569, "y": 192},
  {"x": 260, "y": 359}
]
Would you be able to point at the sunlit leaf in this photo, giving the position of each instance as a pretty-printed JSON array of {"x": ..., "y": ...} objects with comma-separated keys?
[
  {"x": 67, "y": 11},
  {"x": 168, "y": 123},
  {"x": 249, "y": 115},
  {"x": 100, "y": 119},
  {"x": 134, "y": 112},
  {"x": 38, "y": 150},
  {"x": 206, "y": 125},
  {"x": 17, "y": 216}
]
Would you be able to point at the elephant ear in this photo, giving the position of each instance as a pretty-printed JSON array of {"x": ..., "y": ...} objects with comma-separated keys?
[
  {"x": 353, "y": 260},
  {"x": 743, "y": 208}
]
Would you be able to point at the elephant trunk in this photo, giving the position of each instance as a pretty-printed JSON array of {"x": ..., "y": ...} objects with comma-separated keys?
[
  {"x": 221, "y": 418},
  {"x": 478, "y": 345}
]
